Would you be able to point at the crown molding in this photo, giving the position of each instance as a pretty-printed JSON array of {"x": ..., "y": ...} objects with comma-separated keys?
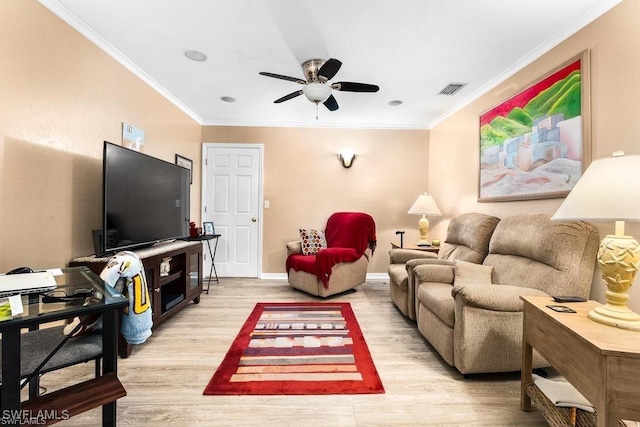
[
  {"x": 70, "y": 18},
  {"x": 594, "y": 12}
]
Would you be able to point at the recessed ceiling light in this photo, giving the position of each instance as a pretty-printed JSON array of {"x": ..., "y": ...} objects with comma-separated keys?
[
  {"x": 228, "y": 99},
  {"x": 395, "y": 102},
  {"x": 195, "y": 55}
]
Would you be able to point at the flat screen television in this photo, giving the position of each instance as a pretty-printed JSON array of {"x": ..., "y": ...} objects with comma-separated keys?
[{"x": 145, "y": 200}]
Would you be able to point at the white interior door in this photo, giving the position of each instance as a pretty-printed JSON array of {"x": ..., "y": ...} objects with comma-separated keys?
[{"x": 232, "y": 190}]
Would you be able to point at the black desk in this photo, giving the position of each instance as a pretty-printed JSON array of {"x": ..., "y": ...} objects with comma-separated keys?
[
  {"x": 212, "y": 254},
  {"x": 102, "y": 390}
]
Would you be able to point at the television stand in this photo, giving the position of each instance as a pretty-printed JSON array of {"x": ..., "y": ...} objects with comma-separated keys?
[{"x": 170, "y": 292}]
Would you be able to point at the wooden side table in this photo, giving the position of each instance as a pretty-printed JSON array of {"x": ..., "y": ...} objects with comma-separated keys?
[
  {"x": 601, "y": 362},
  {"x": 169, "y": 293},
  {"x": 434, "y": 249}
]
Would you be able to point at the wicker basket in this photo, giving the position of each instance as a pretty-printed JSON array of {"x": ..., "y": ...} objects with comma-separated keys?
[{"x": 558, "y": 416}]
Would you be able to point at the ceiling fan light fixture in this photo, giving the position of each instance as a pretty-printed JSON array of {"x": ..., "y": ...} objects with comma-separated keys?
[
  {"x": 315, "y": 87},
  {"x": 317, "y": 92}
]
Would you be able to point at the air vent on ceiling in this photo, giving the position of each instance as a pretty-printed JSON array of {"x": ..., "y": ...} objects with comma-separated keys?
[{"x": 452, "y": 88}]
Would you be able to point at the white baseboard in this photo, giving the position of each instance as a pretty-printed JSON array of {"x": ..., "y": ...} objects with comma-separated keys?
[
  {"x": 283, "y": 276},
  {"x": 377, "y": 276},
  {"x": 273, "y": 276}
]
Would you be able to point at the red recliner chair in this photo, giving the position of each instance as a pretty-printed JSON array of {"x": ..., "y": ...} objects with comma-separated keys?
[{"x": 342, "y": 265}]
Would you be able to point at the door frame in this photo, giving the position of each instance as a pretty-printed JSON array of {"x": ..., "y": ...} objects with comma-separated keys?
[{"x": 260, "y": 147}]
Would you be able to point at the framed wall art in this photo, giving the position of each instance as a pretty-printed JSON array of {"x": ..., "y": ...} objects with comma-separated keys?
[
  {"x": 187, "y": 164},
  {"x": 208, "y": 229},
  {"x": 132, "y": 137},
  {"x": 537, "y": 144}
]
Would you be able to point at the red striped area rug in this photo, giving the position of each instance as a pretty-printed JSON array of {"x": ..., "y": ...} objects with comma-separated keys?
[{"x": 298, "y": 348}]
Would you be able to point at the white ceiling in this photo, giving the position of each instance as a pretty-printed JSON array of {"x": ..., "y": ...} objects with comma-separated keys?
[{"x": 410, "y": 48}]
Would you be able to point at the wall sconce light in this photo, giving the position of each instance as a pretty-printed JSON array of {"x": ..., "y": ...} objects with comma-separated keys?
[{"x": 347, "y": 157}]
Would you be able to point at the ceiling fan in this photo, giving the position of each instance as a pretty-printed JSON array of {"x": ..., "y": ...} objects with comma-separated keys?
[{"x": 317, "y": 73}]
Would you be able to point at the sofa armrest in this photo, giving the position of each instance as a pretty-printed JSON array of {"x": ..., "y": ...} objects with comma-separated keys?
[
  {"x": 401, "y": 256},
  {"x": 494, "y": 297},
  {"x": 436, "y": 270},
  {"x": 294, "y": 248},
  {"x": 413, "y": 263}
]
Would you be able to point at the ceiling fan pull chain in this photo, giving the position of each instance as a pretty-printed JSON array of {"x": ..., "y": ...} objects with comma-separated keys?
[{"x": 317, "y": 109}]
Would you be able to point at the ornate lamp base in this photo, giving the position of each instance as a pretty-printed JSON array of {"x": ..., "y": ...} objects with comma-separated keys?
[
  {"x": 423, "y": 226},
  {"x": 618, "y": 258},
  {"x": 612, "y": 316}
]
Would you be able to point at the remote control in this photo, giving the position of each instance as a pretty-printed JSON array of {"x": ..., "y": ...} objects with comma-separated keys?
[{"x": 569, "y": 298}]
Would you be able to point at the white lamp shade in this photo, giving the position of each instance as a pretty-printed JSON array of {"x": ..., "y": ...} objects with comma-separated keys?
[
  {"x": 317, "y": 92},
  {"x": 608, "y": 191},
  {"x": 424, "y": 205}
]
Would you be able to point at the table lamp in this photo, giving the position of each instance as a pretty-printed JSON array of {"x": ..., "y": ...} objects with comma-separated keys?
[
  {"x": 424, "y": 205},
  {"x": 608, "y": 191}
]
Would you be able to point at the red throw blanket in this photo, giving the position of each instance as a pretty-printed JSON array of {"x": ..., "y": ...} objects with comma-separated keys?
[{"x": 348, "y": 234}]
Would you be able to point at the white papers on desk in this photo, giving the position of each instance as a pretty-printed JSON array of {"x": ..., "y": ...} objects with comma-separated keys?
[
  {"x": 15, "y": 301},
  {"x": 10, "y": 306}
]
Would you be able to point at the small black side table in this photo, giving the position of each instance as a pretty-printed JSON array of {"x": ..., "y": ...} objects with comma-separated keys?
[{"x": 212, "y": 253}]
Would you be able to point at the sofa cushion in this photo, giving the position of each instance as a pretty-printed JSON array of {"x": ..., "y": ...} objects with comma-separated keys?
[
  {"x": 495, "y": 298},
  {"x": 437, "y": 298},
  {"x": 533, "y": 251},
  {"x": 468, "y": 237},
  {"x": 312, "y": 241},
  {"x": 468, "y": 273}
]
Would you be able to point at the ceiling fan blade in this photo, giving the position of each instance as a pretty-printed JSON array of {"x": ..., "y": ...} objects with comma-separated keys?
[
  {"x": 280, "y": 76},
  {"x": 329, "y": 68},
  {"x": 331, "y": 103},
  {"x": 355, "y": 87},
  {"x": 288, "y": 97}
]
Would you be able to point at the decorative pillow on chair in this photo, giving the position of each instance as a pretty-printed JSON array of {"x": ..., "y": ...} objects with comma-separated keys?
[
  {"x": 468, "y": 273},
  {"x": 312, "y": 241}
]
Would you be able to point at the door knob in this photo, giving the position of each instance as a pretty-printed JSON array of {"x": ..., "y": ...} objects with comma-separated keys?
[{"x": 254, "y": 219}]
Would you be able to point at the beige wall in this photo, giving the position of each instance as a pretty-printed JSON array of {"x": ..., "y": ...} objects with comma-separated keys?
[
  {"x": 304, "y": 181},
  {"x": 60, "y": 97},
  {"x": 614, "y": 40}
]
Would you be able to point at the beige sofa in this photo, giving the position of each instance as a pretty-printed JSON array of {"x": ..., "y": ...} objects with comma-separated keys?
[
  {"x": 467, "y": 239},
  {"x": 477, "y": 327}
]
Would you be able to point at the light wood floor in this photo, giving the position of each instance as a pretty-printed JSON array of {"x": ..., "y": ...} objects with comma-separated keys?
[{"x": 165, "y": 377}]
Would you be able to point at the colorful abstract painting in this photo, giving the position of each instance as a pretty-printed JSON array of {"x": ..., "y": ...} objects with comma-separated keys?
[{"x": 536, "y": 144}]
